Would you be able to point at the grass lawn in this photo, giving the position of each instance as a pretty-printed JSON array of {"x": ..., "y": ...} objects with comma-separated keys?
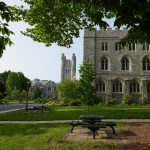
[
  {"x": 73, "y": 112},
  {"x": 46, "y": 137}
]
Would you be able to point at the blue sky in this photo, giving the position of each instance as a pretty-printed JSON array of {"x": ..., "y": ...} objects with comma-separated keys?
[{"x": 34, "y": 59}]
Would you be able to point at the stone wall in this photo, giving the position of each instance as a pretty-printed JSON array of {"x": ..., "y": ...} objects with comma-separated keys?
[{"x": 93, "y": 53}]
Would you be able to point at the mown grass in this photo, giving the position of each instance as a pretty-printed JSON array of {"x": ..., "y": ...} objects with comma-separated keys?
[
  {"x": 47, "y": 137},
  {"x": 73, "y": 112}
]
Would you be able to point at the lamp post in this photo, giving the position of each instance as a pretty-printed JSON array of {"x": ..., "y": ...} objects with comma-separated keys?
[{"x": 27, "y": 95}]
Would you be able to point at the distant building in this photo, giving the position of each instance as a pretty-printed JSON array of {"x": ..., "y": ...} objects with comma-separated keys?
[
  {"x": 47, "y": 87},
  {"x": 118, "y": 71},
  {"x": 68, "y": 67}
]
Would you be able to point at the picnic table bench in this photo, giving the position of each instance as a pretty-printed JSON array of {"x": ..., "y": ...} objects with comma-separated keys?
[
  {"x": 94, "y": 124},
  {"x": 38, "y": 108}
]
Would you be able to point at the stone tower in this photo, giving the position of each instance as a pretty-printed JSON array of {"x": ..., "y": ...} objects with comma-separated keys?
[{"x": 68, "y": 67}]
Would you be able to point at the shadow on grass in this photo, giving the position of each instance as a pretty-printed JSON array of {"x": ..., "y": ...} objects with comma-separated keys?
[{"x": 10, "y": 130}]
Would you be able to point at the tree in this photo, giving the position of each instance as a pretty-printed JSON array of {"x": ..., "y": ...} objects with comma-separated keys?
[
  {"x": 8, "y": 14},
  {"x": 2, "y": 89},
  {"x": 16, "y": 81},
  {"x": 18, "y": 95},
  {"x": 37, "y": 93},
  {"x": 67, "y": 90},
  {"x": 86, "y": 87},
  {"x": 4, "y": 75},
  {"x": 59, "y": 21}
]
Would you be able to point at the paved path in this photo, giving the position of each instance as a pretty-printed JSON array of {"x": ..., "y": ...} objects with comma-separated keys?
[
  {"x": 68, "y": 121},
  {"x": 13, "y": 107}
]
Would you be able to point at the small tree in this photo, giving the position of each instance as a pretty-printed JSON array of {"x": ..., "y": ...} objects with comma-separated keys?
[
  {"x": 67, "y": 90},
  {"x": 86, "y": 87}
]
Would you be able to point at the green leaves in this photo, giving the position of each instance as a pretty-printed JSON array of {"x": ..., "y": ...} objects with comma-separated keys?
[
  {"x": 85, "y": 83},
  {"x": 59, "y": 21},
  {"x": 67, "y": 90},
  {"x": 7, "y": 14}
]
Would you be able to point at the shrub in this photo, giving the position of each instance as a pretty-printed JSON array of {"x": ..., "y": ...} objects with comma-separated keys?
[
  {"x": 143, "y": 99},
  {"x": 40, "y": 100},
  {"x": 64, "y": 103},
  {"x": 110, "y": 100},
  {"x": 127, "y": 99},
  {"x": 74, "y": 103},
  {"x": 99, "y": 100}
]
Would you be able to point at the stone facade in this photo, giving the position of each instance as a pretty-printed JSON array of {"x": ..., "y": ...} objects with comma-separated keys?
[
  {"x": 48, "y": 88},
  {"x": 117, "y": 71},
  {"x": 68, "y": 67}
]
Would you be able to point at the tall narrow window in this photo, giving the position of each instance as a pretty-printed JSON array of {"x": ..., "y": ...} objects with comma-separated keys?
[
  {"x": 117, "y": 86},
  {"x": 117, "y": 46},
  {"x": 132, "y": 47},
  {"x": 104, "y": 46},
  {"x": 148, "y": 87},
  {"x": 100, "y": 86},
  {"x": 134, "y": 86},
  {"x": 145, "y": 46},
  {"x": 104, "y": 63},
  {"x": 146, "y": 63},
  {"x": 125, "y": 63}
]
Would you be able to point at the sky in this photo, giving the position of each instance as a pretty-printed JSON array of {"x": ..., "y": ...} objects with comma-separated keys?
[{"x": 34, "y": 59}]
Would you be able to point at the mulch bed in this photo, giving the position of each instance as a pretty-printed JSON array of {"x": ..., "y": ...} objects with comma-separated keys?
[{"x": 137, "y": 137}]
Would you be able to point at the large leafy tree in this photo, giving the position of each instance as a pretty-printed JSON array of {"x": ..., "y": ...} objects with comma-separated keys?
[
  {"x": 58, "y": 21},
  {"x": 3, "y": 78},
  {"x": 86, "y": 86},
  {"x": 8, "y": 14},
  {"x": 17, "y": 81},
  {"x": 2, "y": 89},
  {"x": 4, "y": 75}
]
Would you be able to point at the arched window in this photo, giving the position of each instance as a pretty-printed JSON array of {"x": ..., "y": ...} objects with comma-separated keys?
[
  {"x": 146, "y": 63},
  {"x": 125, "y": 63},
  {"x": 148, "y": 87},
  {"x": 134, "y": 87},
  {"x": 146, "y": 46},
  {"x": 132, "y": 46},
  {"x": 117, "y": 86},
  {"x": 104, "y": 63},
  {"x": 100, "y": 86}
]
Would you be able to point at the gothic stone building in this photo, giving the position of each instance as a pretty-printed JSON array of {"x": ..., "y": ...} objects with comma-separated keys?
[
  {"x": 117, "y": 71},
  {"x": 68, "y": 67},
  {"x": 47, "y": 87}
]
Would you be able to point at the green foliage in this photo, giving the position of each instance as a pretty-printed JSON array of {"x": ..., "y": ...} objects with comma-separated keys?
[
  {"x": 4, "y": 75},
  {"x": 1, "y": 96},
  {"x": 17, "y": 81},
  {"x": 15, "y": 94},
  {"x": 99, "y": 100},
  {"x": 37, "y": 93},
  {"x": 127, "y": 99},
  {"x": 86, "y": 87},
  {"x": 18, "y": 95},
  {"x": 40, "y": 100},
  {"x": 67, "y": 90},
  {"x": 2, "y": 89},
  {"x": 64, "y": 19},
  {"x": 109, "y": 100},
  {"x": 8, "y": 14},
  {"x": 144, "y": 100}
]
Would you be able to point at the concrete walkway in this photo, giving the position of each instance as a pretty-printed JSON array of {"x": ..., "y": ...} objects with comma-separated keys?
[{"x": 68, "y": 121}]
